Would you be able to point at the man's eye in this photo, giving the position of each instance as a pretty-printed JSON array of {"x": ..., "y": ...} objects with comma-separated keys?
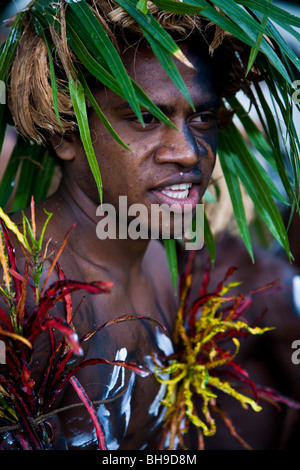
[
  {"x": 203, "y": 118},
  {"x": 149, "y": 118}
]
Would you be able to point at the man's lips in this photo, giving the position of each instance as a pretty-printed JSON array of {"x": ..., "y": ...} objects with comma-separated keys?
[
  {"x": 172, "y": 195},
  {"x": 179, "y": 189},
  {"x": 180, "y": 178}
]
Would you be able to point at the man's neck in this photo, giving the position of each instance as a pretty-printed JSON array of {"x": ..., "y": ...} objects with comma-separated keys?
[{"x": 120, "y": 256}]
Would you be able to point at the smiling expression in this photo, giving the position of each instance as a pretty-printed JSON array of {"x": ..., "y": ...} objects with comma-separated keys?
[{"x": 164, "y": 165}]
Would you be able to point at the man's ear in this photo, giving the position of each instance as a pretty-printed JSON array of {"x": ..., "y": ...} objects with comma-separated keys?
[{"x": 64, "y": 146}]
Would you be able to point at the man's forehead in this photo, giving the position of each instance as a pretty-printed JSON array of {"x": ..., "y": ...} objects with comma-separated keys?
[
  {"x": 201, "y": 102},
  {"x": 167, "y": 98},
  {"x": 145, "y": 69},
  {"x": 142, "y": 58}
]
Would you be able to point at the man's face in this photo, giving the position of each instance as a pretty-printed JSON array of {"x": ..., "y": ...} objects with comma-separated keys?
[{"x": 164, "y": 165}]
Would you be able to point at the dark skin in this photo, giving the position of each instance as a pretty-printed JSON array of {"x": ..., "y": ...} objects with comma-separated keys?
[
  {"x": 138, "y": 268},
  {"x": 160, "y": 156}
]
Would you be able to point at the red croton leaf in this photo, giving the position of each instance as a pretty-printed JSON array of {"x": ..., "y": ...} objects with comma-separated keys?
[
  {"x": 91, "y": 411},
  {"x": 27, "y": 381},
  {"x": 66, "y": 330}
]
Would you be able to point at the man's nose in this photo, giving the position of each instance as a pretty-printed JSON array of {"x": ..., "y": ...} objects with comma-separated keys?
[{"x": 181, "y": 147}]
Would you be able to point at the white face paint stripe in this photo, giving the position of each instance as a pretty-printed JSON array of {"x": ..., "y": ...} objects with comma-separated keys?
[
  {"x": 126, "y": 401},
  {"x": 164, "y": 343},
  {"x": 117, "y": 380},
  {"x": 117, "y": 370},
  {"x": 117, "y": 383}
]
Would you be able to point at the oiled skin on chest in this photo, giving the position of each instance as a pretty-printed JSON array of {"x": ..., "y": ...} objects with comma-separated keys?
[
  {"x": 129, "y": 423},
  {"x": 132, "y": 416}
]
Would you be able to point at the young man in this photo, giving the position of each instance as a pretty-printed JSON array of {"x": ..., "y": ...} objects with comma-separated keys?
[
  {"x": 163, "y": 166},
  {"x": 160, "y": 158}
]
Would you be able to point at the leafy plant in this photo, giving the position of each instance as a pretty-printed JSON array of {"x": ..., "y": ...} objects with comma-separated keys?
[
  {"x": 253, "y": 22},
  {"x": 206, "y": 342},
  {"x": 25, "y": 405}
]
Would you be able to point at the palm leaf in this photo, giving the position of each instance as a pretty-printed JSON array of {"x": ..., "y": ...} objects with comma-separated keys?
[
  {"x": 251, "y": 28},
  {"x": 278, "y": 112},
  {"x": 78, "y": 101},
  {"x": 167, "y": 63},
  {"x": 254, "y": 50},
  {"x": 36, "y": 166},
  {"x": 235, "y": 193},
  {"x": 173, "y": 6},
  {"x": 274, "y": 12},
  {"x": 100, "y": 114},
  {"x": 97, "y": 35},
  {"x": 170, "y": 247},
  {"x": 284, "y": 47},
  {"x": 255, "y": 136},
  {"x": 254, "y": 182},
  {"x": 151, "y": 26},
  {"x": 105, "y": 77}
]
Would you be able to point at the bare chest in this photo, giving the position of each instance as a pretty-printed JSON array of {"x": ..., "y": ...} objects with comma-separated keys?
[{"x": 130, "y": 337}]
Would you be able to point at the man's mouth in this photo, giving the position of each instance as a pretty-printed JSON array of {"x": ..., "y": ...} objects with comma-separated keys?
[
  {"x": 178, "y": 194},
  {"x": 177, "y": 191}
]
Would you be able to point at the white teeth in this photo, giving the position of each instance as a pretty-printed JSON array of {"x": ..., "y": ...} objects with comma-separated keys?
[
  {"x": 177, "y": 195},
  {"x": 179, "y": 186},
  {"x": 177, "y": 191}
]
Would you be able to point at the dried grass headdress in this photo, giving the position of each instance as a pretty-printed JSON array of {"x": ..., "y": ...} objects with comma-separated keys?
[
  {"x": 54, "y": 48},
  {"x": 31, "y": 100}
]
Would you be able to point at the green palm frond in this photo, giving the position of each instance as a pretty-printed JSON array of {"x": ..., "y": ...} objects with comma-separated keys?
[{"x": 254, "y": 22}]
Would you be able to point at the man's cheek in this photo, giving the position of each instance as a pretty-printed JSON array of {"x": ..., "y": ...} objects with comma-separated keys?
[{"x": 212, "y": 140}]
